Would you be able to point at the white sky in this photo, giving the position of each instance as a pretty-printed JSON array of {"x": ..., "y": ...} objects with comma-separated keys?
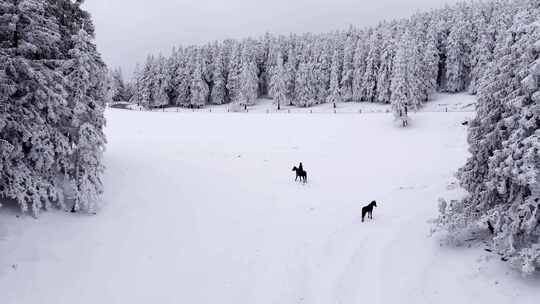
[{"x": 128, "y": 30}]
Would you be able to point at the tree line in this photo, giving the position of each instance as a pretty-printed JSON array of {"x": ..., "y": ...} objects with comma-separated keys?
[{"x": 402, "y": 62}]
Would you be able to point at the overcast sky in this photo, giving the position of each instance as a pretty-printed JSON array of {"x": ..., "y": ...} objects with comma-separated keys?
[{"x": 128, "y": 30}]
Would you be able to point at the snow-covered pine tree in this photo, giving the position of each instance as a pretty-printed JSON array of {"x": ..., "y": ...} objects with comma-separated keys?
[
  {"x": 278, "y": 85},
  {"x": 384, "y": 76},
  {"x": 347, "y": 72},
  {"x": 234, "y": 74},
  {"x": 360, "y": 55},
  {"x": 369, "y": 82},
  {"x": 334, "y": 90},
  {"x": 199, "y": 88},
  {"x": 147, "y": 82},
  {"x": 323, "y": 69},
  {"x": 417, "y": 82},
  {"x": 219, "y": 94},
  {"x": 160, "y": 84},
  {"x": 136, "y": 85},
  {"x": 35, "y": 114},
  {"x": 183, "y": 77},
  {"x": 400, "y": 82},
  {"x": 34, "y": 106},
  {"x": 249, "y": 85},
  {"x": 430, "y": 61},
  {"x": 85, "y": 75},
  {"x": 119, "y": 90},
  {"x": 501, "y": 176},
  {"x": 458, "y": 52},
  {"x": 171, "y": 70}
]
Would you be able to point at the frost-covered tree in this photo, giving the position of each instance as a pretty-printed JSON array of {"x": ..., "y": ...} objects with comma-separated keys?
[
  {"x": 458, "y": 53},
  {"x": 347, "y": 72},
  {"x": 46, "y": 52},
  {"x": 384, "y": 76},
  {"x": 360, "y": 55},
  {"x": 159, "y": 83},
  {"x": 85, "y": 76},
  {"x": 234, "y": 74},
  {"x": 249, "y": 84},
  {"x": 369, "y": 81},
  {"x": 182, "y": 78},
  {"x": 400, "y": 80},
  {"x": 334, "y": 91},
  {"x": 219, "y": 94},
  {"x": 199, "y": 88},
  {"x": 278, "y": 86},
  {"x": 305, "y": 85},
  {"x": 430, "y": 62},
  {"x": 147, "y": 82},
  {"x": 501, "y": 176},
  {"x": 120, "y": 90},
  {"x": 291, "y": 69}
]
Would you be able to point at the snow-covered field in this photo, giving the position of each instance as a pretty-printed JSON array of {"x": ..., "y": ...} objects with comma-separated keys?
[{"x": 202, "y": 208}]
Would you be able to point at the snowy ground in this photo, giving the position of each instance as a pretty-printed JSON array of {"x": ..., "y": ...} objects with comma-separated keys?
[
  {"x": 442, "y": 103},
  {"x": 202, "y": 208}
]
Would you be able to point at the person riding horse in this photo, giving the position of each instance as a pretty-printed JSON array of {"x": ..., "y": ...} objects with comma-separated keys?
[{"x": 300, "y": 173}]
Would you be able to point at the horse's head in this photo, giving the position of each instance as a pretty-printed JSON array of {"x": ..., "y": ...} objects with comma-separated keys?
[
  {"x": 374, "y": 204},
  {"x": 294, "y": 168}
]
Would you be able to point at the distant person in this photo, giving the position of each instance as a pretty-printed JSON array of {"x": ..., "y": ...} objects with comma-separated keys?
[{"x": 301, "y": 167}]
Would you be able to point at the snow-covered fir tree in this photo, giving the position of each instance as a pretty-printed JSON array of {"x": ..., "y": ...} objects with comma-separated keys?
[
  {"x": 334, "y": 90},
  {"x": 52, "y": 84},
  {"x": 501, "y": 176},
  {"x": 400, "y": 79},
  {"x": 387, "y": 63},
  {"x": 234, "y": 73},
  {"x": 249, "y": 81},
  {"x": 347, "y": 72},
  {"x": 219, "y": 94},
  {"x": 278, "y": 85},
  {"x": 199, "y": 88}
]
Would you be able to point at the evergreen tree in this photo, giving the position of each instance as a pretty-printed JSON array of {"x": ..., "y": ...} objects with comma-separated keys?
[
  {"x": 218, "y": 95},
  {"x": 278, "y": 87},
  {"x": 400, "y": 82},
  {"x": 234, "y": 74},
  {"x": 387, "y": 62},
  {"x": 458, "y": 54},
  {"x": 85, "y": 82},
  {"x": 335, "y": 93},
  {"x": 42, "y": 107},
  {"x": 360, "y": 56},
  {"x": 347, "y": 73},
  {"x": 249, "y": 86},
  {"x": 501, "y": 176},
  {"x": 369, "y": 82},
  {"x": 199, "y": 87}
]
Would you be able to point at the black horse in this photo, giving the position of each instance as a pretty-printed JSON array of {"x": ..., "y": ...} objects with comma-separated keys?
[
  {"x": 300, "y": 173},
  {"x": 368, "y": 210}
]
